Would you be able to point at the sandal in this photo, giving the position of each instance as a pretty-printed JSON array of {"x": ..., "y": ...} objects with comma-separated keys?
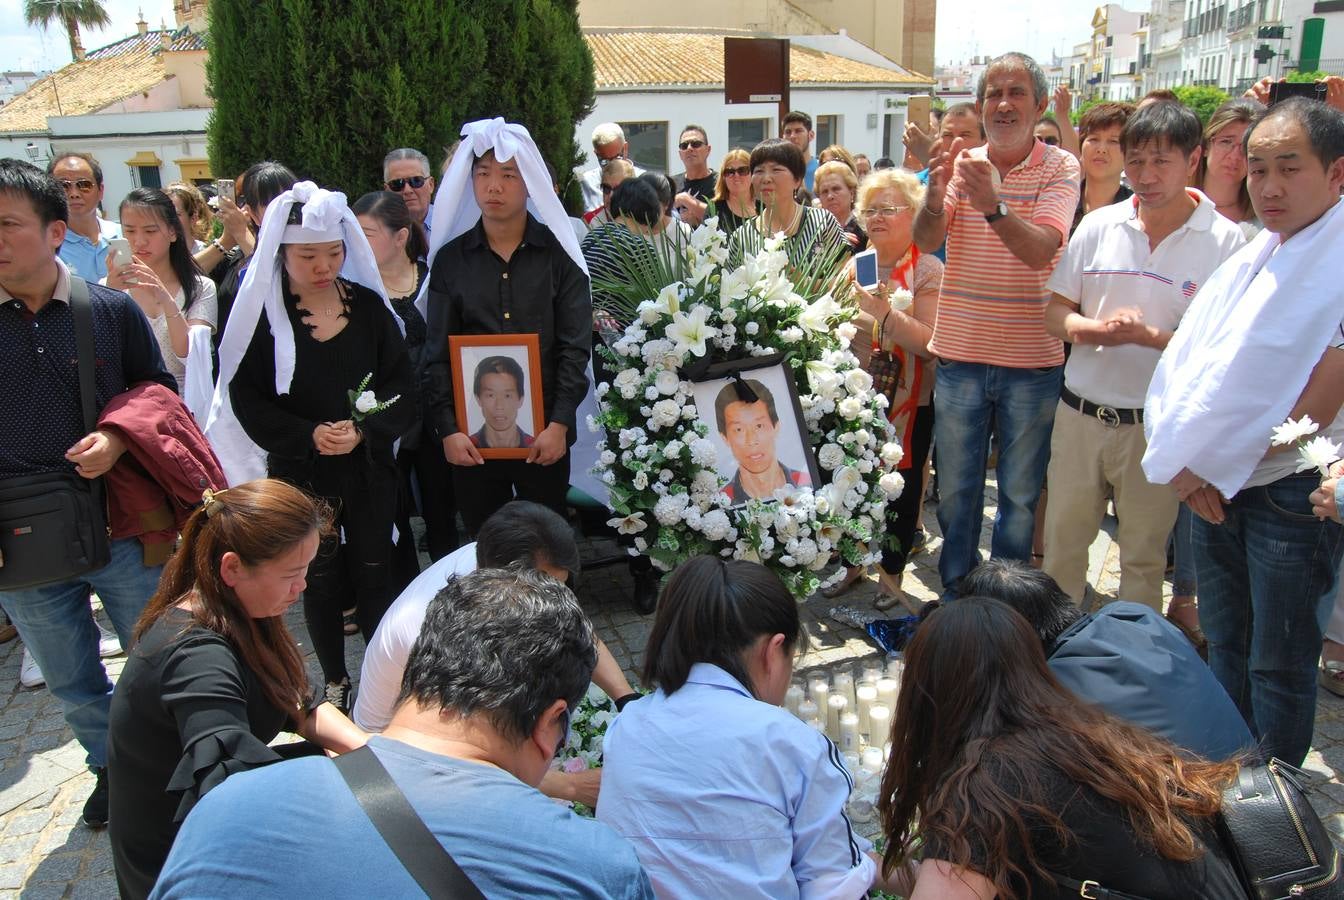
[
  {"x": 891, "y": 594},
  {"x": 348, "y": 623},
  {"x": 852, "y": 575},
  {"x": 1331, "y": 676},
  {"x": 1195, "y": 635}
]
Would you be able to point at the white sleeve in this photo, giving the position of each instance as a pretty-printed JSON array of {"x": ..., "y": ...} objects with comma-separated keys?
[
  {"x": 1067, "y": 278},
  {"x": 829, "y": 859},
  {"x": 385, "y": 662},
  {"x": 206, "y": 305},
  {"x": 199, "y": 386}
]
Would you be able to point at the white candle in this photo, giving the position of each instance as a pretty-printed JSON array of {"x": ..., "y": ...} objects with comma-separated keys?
[
  {"x": 843, "y": 684},
  {"x": 853, "y": 764},
  {"x": 872, "y": 760},
  {"x": 849, "y": 733},
  {"x": 880, "y": 717},
  {"x": 794, "y": 696},
  {"x": 871, "y": 673},
  {"x": 895, "y": 667},
  {"x": 835, "y": 708},
  {"x": 818, "y": 689},
  {"x": 866, "y": 695},
  {"x": 886, "y": 692},
  {"x": 816, "y": 723},
  {"x": 807, "y": 709}
]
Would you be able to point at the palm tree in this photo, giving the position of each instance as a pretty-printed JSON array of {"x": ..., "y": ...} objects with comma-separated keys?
[{"x": 69, "y": 13}]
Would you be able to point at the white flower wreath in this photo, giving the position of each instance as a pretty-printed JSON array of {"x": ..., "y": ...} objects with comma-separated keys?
[{"x": 658, "y": 463}]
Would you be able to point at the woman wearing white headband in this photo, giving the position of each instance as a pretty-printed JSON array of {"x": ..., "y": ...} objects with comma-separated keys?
[{"x": 318, "y": 332}]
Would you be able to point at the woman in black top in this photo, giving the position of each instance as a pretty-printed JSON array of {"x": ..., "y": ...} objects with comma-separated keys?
[
  {"x": 342, "y": 332},
  {"x": 1015, "y": 786},
  {"x": 734, "y": 197},
  {"x": 214, "y": 675},
  {"x": 400, "y": 247}
]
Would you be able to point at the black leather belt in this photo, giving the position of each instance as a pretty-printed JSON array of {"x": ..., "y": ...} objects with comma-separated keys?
[{"x": 1106, "y": 415}]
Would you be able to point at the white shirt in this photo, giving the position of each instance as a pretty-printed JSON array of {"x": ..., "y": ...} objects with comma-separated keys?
[
  {"x": 1108, "y": 266},
  {"x": 385, "y": 658},
  {"x": 723, "y": 795}
]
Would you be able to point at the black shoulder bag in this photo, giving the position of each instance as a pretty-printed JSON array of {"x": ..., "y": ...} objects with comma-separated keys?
[
  {"x": 402, "y": 829},
  {"x": 53, "y": 526}
]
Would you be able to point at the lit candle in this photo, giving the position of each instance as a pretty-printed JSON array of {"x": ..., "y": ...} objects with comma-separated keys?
[
  {"x": 794, "y": 696},
  {"x": 843, "y": 684},
  {"x": 886, "y": 692},
  {"x": 835, "y": 708},
  {"x": 866, "y": 695},
  {"x": 818, "y": 688},
  {"x": 849, "y": 733},
  {"x": 871, "y": 673},
  {"x": 807, "y": 710},
  {"x": 816, "y": 723},
  {"x": 872, "y": 760},
  {"x": 880, "y": 717}
]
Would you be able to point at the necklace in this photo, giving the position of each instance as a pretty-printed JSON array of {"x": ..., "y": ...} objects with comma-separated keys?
[
  {"x": 793, "y": 225},
  {"x": 405, "y": 286}
]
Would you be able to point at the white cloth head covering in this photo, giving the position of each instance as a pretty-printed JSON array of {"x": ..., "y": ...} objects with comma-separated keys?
[
  {"x": 456, "y": 212},
  {"x": 326, "y": 217},
  {"x": 1243, "y": 355},
  {"x": 455, "y": 208}
]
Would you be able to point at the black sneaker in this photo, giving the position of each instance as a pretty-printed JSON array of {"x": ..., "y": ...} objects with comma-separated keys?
[
  {"x": 337, "y": 693},
  {"x": 95, "y": 808}
]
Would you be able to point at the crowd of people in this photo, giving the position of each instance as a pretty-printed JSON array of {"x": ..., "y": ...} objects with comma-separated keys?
[{"x": 1114, "y": 315}]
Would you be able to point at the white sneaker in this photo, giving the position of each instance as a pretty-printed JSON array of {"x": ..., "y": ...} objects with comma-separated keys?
[
  {"x": 108, "y": 642},
  {"x": 30, "y": 676}
]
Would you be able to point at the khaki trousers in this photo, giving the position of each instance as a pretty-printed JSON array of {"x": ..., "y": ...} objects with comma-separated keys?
[{"x": 1088, "y": 459}]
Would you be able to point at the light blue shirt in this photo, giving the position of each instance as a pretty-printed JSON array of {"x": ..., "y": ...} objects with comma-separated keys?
[
  {"x": 84, "y": 258},
  {"x": 723, "y": 795},
  {"x": 1339, "y": 497},
  {"x": 810, "y": 175}
]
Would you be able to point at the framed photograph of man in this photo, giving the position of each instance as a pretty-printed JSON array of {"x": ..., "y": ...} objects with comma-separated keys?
[
  {"x": 750, "y": 410},
  {"x": 497, "y": 389}
]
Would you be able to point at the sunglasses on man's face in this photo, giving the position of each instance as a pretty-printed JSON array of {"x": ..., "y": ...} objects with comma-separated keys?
[
  {"x": 742, "y": 171},
  {"x": 416, "y": 182},
  {"x": 83, "y": 185},
  {"x": 690, "y": 145},
  {"x": 1050, "y": 139},
  {"x": 605, "y": 161}
]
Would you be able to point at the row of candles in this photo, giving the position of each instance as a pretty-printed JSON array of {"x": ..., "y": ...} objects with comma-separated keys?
[{"x": 856, "y": 715}]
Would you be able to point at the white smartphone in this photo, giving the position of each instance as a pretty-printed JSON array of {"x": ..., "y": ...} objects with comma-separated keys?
[
  {"x": 865, "y": 270},
  {"x": 121, "y": 252}
]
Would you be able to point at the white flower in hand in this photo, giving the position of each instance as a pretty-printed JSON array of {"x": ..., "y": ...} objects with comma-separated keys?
[
  {"x": 691, "y": 331},
  {"x": 1292, "y": 431},
  {"x": 1318, "y": 453},
  {"x": 365, "y": 402}
]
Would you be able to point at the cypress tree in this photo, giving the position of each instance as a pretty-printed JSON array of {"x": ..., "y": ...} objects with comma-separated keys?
[{"x": 329, "y": 86}]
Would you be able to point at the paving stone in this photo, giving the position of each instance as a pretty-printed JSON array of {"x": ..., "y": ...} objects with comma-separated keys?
[
  {"x": 54, "y": 890},
  {"x": 16, "y": 847},
  {"x": 27, "y": 823},
  {"x": 62, "y": 868},
  {"x": 11, "y": 877},
  {"x": 36, "y": 743},
  {"x": 95, "y": 888}
]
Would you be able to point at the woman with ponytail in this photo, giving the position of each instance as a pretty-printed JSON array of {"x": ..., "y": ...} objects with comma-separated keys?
[{"x": 214, "y": 674}]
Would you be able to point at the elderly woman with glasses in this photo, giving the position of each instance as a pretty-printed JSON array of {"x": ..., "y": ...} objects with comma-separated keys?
[
  {"x": 734, "y": 199},
  {"x": 894, "y": 324}
]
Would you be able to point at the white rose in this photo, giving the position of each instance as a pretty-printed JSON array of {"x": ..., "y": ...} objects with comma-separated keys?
[
  {"x": 643, "y": 451},
  {"x": 857, "y": 381},
  {"x": 665, "y": 413},
  {"x": 627, "y": 383},
  {"x": 791, "y": 335},
  {"x": 892, "y": 453},
  {"x": 365, "y": 402},
  {"x": 862, "y": 437},
  {"x": 666, "y": 383},
  {"x": 830, "y": 456},
  {"x": 752, "y": 327},
  {"x": 892, "y": 484},
  {"x": 641, "y": 480},
  {"x": 846, "y": 331},
  {"x": 649, "y": 312},
  {"x": 850, "y": 407}
]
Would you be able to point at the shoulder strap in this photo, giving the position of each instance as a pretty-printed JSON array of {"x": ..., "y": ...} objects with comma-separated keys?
[
  {"x": 405, "y": 833},
  {"x": 1089, "y": 890},
  {"x": 82, "y": 309}
]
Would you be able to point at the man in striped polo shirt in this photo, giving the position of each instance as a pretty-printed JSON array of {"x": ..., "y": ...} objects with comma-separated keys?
[{"x": 1004, "y": 210}]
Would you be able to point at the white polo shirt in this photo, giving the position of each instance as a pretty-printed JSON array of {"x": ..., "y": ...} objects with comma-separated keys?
[
  {"x": 385, "y": 657},
  {"x": 1108, "y": 266},
  {"x": 723, "y": 795}
]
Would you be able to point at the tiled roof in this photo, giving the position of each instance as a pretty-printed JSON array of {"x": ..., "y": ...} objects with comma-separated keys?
[
  {"x": 119, "y": 70},
  {"x": 647, "y": 58}
]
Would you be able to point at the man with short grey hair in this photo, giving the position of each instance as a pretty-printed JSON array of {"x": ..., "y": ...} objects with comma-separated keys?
[
  {"x": 502, "y": 661},
  {"x": 406, "y": 172},
  {"x": 609, "y": 144}
]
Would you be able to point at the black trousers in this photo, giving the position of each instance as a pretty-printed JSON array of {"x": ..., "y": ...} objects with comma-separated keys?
[
  {"x": 485, "y": 488},
  {"x": 903, "y": 512},
  {"x": 362, "y": 494},
  {"x": 425, "y": 465}
]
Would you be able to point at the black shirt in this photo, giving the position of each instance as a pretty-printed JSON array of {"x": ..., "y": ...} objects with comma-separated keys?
[
  {"x": 701, "y": 189},
  {"x": 187, "y": 713},
  {"x": 540, "y": 291},
  {"x": 1103, "y": 849}
]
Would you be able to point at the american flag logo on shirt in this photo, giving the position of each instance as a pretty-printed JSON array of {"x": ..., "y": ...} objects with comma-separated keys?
[{"x": 1188, "y": 289}]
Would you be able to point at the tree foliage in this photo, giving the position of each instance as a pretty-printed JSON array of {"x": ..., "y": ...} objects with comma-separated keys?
[
  {"x": 1203, "y": 100},
  {"x": 1311, "y": 77},
  {"x": 329, "y": 86},
  {"x": 71, "y": 15}
]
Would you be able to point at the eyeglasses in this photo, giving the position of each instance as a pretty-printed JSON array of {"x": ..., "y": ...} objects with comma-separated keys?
[
  {"x": 885, "y": 212},
  {"x": 1052, "y": 141},
  {"x": 690, "y": 145},
  {"x": 397, "y": 185},
  {"x": 742, "y": 171},
  {"x": 83, "y": 185},
  {"x": 606, "y": 161}
]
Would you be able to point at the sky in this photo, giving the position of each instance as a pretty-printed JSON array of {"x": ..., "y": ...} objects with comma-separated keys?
[
  {"x": 24, "y": 47},
  {"x": 968, "y": 28}
]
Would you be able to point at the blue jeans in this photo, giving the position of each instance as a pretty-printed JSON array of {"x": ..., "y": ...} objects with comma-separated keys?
[
  {"x": 1021, "y": 404},
  {"x": 1184, "y": 581},
  {"x": 1266, "y": 578},
  {"x": 57, "y": 627}
]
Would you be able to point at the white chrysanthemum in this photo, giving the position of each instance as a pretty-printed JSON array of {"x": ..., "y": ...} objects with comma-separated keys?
[
  {"x": 1291, "y": 432},
  {"x": 716, "y": 525},
  {"x": 665, "y": 413},
  {"x": 668, "y": 508},
  {"x": 607, "y": 458},
  {"x": 1318, "y": 453},
  {"x": 703, "y": 453},
  {"x": 830, "y": 456}
]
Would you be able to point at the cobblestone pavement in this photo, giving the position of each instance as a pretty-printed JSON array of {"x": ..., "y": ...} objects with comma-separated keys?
[{"x": 45, "y": 853}]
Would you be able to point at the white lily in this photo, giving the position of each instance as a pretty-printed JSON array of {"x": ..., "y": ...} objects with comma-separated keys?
[{"x": 691, "y": 331}]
